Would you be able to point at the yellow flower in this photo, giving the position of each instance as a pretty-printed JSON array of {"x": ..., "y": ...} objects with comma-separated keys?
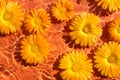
[
  {"x": 37, "y": 21},
  {"x": 111, "y": 5},
  {"x": 11, "y": 15},
  {"x": 85, "y": 29},
  {"x": 63, "y": 10},
  {"x": 75, "y": 66},
  {"x": 34, "y": 49},
  {"x": 107, "y": 59},
  {"x": 114, "y": 29}
]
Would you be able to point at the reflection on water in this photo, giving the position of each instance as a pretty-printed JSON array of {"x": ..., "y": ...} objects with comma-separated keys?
[{"x": 10, "y": 64}]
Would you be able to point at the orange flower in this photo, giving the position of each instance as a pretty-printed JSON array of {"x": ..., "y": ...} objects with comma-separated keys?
[
  {"x": 11, "y": 16},
  {"x": 37, "y": 21},
  {"x": 34, "y": 49},
  {"x": 76, "y": 66},
  {"x": 85, "y": 29},
  {"x": 63, "y": 10},
  {"x": 111, "y": 5},
  {"x": 107, "y": 59},
  {"x": 114, "y": 29}
]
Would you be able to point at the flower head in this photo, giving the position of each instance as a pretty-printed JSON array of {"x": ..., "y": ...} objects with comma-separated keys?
[
  {"x": 85, "y": 29},
  {"x": 114, "y": 29},
  {"x": 34, "y": 49},
  {"x": 107, "y": 59},
  {"x": 63, "y": 10},
  {"x": 11, "y": 15},
  {"x": 37, "y": 21},
  {"x": 76, "y": 66},
  {"x": 111, "y": 5}
]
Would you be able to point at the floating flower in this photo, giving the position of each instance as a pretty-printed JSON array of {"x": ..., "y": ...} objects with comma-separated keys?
[
  {"x": 76, "y": 66},
  {"x": 63, "y": 10},
  {"x": 85, "y": 29},
  {"x": 111, "y": 5},
  {"x": 34, "y": 49},
  {"x": 114, "y": 30},
  {"x": 107, "y": 59},
  {"x": 11, "y": 15},
  {"x": 37, "y": 21}
]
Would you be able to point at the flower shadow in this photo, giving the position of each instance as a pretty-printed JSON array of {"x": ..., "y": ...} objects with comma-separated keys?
[
  {"x": 66, "y": 36},
  {"x": 24, "y": 31},
  {"x": 97, "y": 9},
  {"x": 98, "y": 74},
  {"x": 55, "y": 67},
  {"x": 105, "y": 35}
]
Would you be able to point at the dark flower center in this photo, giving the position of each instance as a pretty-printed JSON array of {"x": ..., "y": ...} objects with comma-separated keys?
[
  {"x": 86, "y": 28},
  {"x": 76, "y": 67},
  {"x": 112, "y": 59}
]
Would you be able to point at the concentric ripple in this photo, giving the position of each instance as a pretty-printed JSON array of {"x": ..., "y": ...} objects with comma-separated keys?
[
  {"x": 9, "y": 71},
  {"x": 10, "y": 74}
]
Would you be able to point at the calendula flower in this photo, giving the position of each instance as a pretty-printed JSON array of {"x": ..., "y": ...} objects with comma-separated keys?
[
  {"x": 11, "y": 17},
  {"x": 107, "y": 59},
  {"x": 111, "y": 5},
  {"x": 85, "y": 29},
  {"x": 34, "y": 49},
  {"x": 114, "y": 29},
  {"x": 75, "y": 66},
  {"x": 63, "y": 10},
  {"x": 37, "y": 21}
]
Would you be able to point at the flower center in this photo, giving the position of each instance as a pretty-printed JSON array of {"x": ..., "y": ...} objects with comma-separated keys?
[
  {"x": 112, "y": 59},
  {"x": 35, "y": 48},
  {"x": 118, "y": 29},
  {"x": 37, "y": 21},
  {"x": 86, "y": 28},
  {"x": 62, "y": 10},
  {"x": 76, "y": 67},
  {"x": 7, "y": 15}
]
